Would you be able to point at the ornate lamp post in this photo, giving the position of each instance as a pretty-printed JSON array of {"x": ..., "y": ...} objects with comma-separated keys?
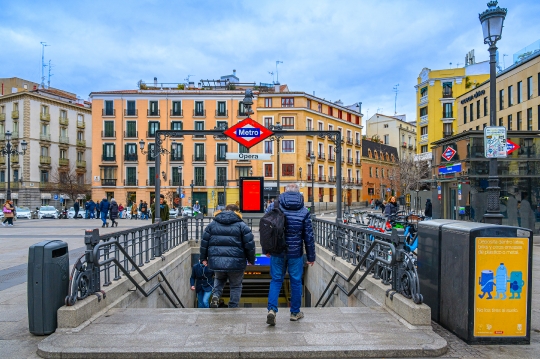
[
  {"x": 9, "y": 150},
  {"x": 180, "y": 184},
  {"x": 277, "y": 138},
  {"x": 312, "y": 160},
  {"x": 492, "y": 24}
]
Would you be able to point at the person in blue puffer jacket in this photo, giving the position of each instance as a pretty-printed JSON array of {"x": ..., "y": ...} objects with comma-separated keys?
[{"x": 298, "y": 235}]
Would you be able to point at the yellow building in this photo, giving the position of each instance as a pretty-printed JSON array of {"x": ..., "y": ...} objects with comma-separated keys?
[{"x": 437, "y": 91}]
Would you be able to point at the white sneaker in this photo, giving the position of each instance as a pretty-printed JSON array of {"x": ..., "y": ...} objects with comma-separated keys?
[
  {"x": 3, "y": 224},
  {"x": 10, "y": 225}
]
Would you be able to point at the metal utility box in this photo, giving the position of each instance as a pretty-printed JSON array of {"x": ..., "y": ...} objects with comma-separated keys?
[
  {"x": 429, "y": 262},
  {"x": 48, "y": 283},
  {"x": 485, "y": 286}
]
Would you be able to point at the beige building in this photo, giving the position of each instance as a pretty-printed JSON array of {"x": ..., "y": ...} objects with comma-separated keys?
[
  {"x": 57, "y": 127},
  {"x": 393, "y": 131}
]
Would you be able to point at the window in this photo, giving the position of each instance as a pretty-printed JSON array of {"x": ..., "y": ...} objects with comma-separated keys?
[
  {"x": 484, "y": 126},
  {"x": 44, "y": 151},
  {"x": 63, "y": 154},
  {"x": 269, "y": 147},
  {"x": 376, "y": 173},
  {"x": 131, "y": 176},
  {"x": 519, "y": 92},
  {"x": 478, "y": 109},
  {"x": 447, "y": 89},
  {"x": 340, "y": 114},
  {"x": 153, "y": 126},
  {"x": 319, "y": 105},
  {"x": 109, "y": 152},
  {"x": 501, "y": 99},
  {"x": 385, "y": 126},
  {"x": 108, "y": 129},
  {"x": 423, "y": 91},
  {"x": 268, "y": 102},
  {"x": 309, "y": 124},
  {"x": 243, "y": 149},
  {"x": 330, "y": 111},
  {"x": 529, "y": 119},
  {"x": 423, "y": 111},
  {"x": 509, "y": 122},
  {"x": 386, "y": 139},
  {"x": 471, "y": 111},
  {"x": 268, "y": 121},
  {"x": 63, "y": 114},
  {"x": 287, "y": 102},
  {"x": 221, "y": 151},
  {"x": 44, "y": 130},
  {"x": 199, "y": 108},
  {"x": 221, "y": 108},
  {"x": 199, "y": 152},
  {"x": 447, "y": 129},
  {"x": 465, "y": 114},
  {"x": 287, "y": 169},
  {"x": 131, "y": 111},
  {"x": 330, "y": 128},
  {"x": 80, "y": 156},
  {"x": 320, "y": 126},
  {"x": 130, "y": 152},
  {"x": 177, "y": 126},
  {"x": 178, "y": 153},
  {"x": 519, "y": 121},
  {"x": 176, "y": 177},
  {"x": 241, "y": 109},
  {"x": 348, "y": 117},
  {"x": 423, "y": 130},
  {"x": 176, "y": 108},
  {"x": 447, "y": 110},
  {"x": 199, "y": 126},
  {"x": 131, "y": 129},
  {"x": 151, "y": 176},
  {"x": 151, "y": 152},
  {"x": 370, "y": 172},
  {"x": 423, "y": 149},
  {"x": 485, "y": 106},
  {"x": 511, "y": 96},
  {"x": 529, "y": 88},
  {"x": 109, "y": 109},
  {"x": 243, "y": 171},
  {"x": 382, "y": 172},
  {"x": 287, "y": 146},
  {"x": 501, "y": 122},
  {"x": 221, "y": 175},
  {"x": 288, "y": 123},
  {"x": 153, "y": 108},
  {"x": 44, "y": 177}
]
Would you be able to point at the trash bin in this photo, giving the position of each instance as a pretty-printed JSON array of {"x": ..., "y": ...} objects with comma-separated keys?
[
  {"x": 48, "y": 283},
  {"x": 485, "y": 286},
  {"x": 429, "y": 263}
]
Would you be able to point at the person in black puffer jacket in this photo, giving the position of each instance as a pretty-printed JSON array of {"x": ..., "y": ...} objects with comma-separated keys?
[
  {"x": 391, "y": 208},
  {"x": 226, "y": 245},
  {"x": 113, "y": 212}
]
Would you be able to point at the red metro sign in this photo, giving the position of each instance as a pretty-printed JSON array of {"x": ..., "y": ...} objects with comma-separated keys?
[
  {"x": 248, "y": 132},
  {"x": 449, "y": 153}
]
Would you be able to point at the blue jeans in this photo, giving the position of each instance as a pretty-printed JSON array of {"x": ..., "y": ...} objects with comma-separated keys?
[
  {"x": 278, "y": 268},
  {"x": 235, "y": 285},
  {"x": 104, "y": 217},
  {"x": 203, "y": 299}
]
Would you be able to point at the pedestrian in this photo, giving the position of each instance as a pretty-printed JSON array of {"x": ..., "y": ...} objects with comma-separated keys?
[
  {"x": 114, "y": 210},
  {"x": 163, "y": 209},
  {"x": 372, "y": 204},
  {"x": 527, "y": 214},
  {"x": 98, "y": 210},
  {"x": 76, "y": 207},
  {"x": 9, "y": 213},
  {"x": 383, "y": 206},
  {"x": 391, "y": 208},
  {"x": 429, "y": 210},
  {"x": 298, "y": 234},
  {"x": 92, "y": 208},
  {"x": 226, "y": 245},
  {"x": 87, "y": 209},
  {"x": 134, "y": 210},
  {"x": 103, "y": 209},
  {"x": 202, "y": 280},
  {"x": 144, "y": 210},
  {"x": 196, "y": 208},
  {"x": 120, "y": 211}
]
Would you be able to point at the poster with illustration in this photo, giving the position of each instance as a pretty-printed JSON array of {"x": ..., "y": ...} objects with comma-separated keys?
[{"x": 500, "y": 296}]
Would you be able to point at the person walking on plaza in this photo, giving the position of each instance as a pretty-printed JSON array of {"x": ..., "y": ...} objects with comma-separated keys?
[
  {"x": 120, "y": 211},
  {"x": 98, "y": 211},
  {"x": 196, "y": 208},
  {"x": 134, "y": 210},
  {"x": 163, "y": 209},
  {"x": 226, "y": 245},
  {"x": 103, "y": 209},
  {"x": 429, "y": 210},
  {"x": 298, "y": 234},
  {"x": 391, "y": 208},
  {"x": 92, "y": 208},
  {"x": 76, "y": 207},
  {"x": 9, "y": 213},
  {"x": 201, "y": 282},
  {"x": 144, "y": 210},
  {"x": 114, "y": 209}
]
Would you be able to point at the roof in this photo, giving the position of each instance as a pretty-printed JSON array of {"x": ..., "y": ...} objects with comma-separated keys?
[{"x": 374, "y": 146}]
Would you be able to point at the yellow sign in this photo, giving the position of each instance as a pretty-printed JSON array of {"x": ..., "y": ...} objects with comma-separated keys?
[{"x": 500, "y": 290}]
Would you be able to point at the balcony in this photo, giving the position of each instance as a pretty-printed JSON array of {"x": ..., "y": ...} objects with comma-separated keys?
[
  {"x": 332, "y": 179},
  {"x": 81, "y": 124},
  {"x": 240, "y": 113},
  {"x": 199, "y": 113},
  {"x": 131, "y": 134},
  {"x": 200, "y": 182},
  {"x": 359, "y": 181},
  {"x": 175, "y": 157},
  {"x": 331, "y": 157},
  {"x": 222, "y": 113},
  {"x": 308, "y": 154},
  {"x": 105, "y": 158},
  {"x": 108, "y": 182},
  {"x": 108, "y": 112},
  {"x": 81, "y": 143},
  {"x": 320, "y": 135},
  {"x": 219, "y": 182},
  {"x": 357, "y": 162},
  {"x": 2, "y": 160},
  {"x": 321, "y": 178},
  {"x": 349, "y": 161},
  {"x": 63, "y": 162},
  {"x": 404, "y": 145},
  {"x": 176, "y": 182},
  {"x": 151, "y": 182},
  {"x": 108, "y": 134},
  {"x": 448, "y": 133},
  {"x": 349, "y": 141},
  {"x": 309, "y": 177},
  {"x": 2, "y": 136},
  {"x": 81, "y": 164},
  {"x": 199, "y": 136},
  {"x": 199, "y": 158},
  {"x": 423, "y": 100},
  {"x": 2, "y": 116},
  {"x": 14, "y": 158},
  {"x": 411, "y": 147},
  {"x": 447, "y": 93},
  {"x": 14, "y": 114},
  {"x": 15, "y": 135},
  {"x": 150, "y": 157},
  {"x": 63, "y": 139},
  {"x": 131, "y": 157},
  {"x": 131, "y": 113},
  {"x": 44, "y": 160},
  {"x": 309, "y": 128},
  {"x": 64, "y": 121},
  {"x": 45, "y": 137},
  {"x": 219, "y": 158},
  {"x": 424, "y": 138},
  {"x": 447, "y": 114},
  {"x": 423, "y": 120},
  {"x": 131, "y": 182},
  {"x": 358, "y": 142},
  {"x": 178, "y": 113},
  {"x": 42, "y": 116},
  {"x": 155, "y": 113},
  {"x": 321, "y": 156}
]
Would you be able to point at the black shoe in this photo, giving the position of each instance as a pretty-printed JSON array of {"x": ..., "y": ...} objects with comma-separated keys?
[
  {"x": 107, "y": 224},
  {"x": 103, "y": 226},
  {"x": 215, "y": 302},
  {"x": 271, "y": 317}
]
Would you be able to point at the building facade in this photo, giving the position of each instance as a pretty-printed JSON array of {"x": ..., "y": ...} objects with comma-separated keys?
[
  {"x": 393, "y": 131},
  {"x": 57, "y": 127},
  {"x": 379, "y": 166}
]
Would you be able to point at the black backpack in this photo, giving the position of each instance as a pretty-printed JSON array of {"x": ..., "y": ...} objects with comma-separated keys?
[{"x": 272, "y": 231}]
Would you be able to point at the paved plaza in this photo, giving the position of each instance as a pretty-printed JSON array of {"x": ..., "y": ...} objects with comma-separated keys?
[{"x": 17, "y": 342}]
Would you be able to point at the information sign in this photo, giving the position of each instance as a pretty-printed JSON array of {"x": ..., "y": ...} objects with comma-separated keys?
[
  {"x": 495, "y": 145},
  {"x": 247, "y": 156}
]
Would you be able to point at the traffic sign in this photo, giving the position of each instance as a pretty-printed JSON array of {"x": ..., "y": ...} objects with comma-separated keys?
[
  {"x": 56, "y": 197},
  {"x": 449, "y": 153},
  {"x": 248, "y": 132},
  {"x": 511, "y": 147}
]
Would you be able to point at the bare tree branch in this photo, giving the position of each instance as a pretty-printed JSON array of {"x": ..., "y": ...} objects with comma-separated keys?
[
  {"x": 66, "y": 181},
  {"x": 409, "y": 174}
]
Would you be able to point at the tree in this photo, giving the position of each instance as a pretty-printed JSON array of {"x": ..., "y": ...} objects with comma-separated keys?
[
  {"x": 68, "y": 182},
  {"x": 410, "y": 175}
]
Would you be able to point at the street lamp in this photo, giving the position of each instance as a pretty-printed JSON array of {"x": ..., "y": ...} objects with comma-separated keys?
[
  {"x": 8, "y": 150},
  {"x": 312, "y": 160},
  {"x": 277, "y": 138},
  {"x": 492, "y": 24},
  {"x": 180, "y": 184}
]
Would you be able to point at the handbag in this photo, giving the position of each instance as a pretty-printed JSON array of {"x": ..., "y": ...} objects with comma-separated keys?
[{"x": 6, "y": 210}]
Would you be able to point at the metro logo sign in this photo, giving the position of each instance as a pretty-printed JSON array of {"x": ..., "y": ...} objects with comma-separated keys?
[
  {"x": 248, "y": 132},
  {"x": 511, "y": 147},
  {"x": 449, "y": 153}
]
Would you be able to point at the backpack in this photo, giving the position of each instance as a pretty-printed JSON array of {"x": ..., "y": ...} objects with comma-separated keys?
[{"x": 272, "y": 230}]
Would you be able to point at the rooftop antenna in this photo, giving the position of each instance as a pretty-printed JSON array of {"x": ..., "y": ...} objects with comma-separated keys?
[
  {"x": 450, "y": 65},
  {"x": 49, "y": 80},
  {"x": 272, "y": 73},
  {"x": 457, "y": 65},
  {"x": 396, "y": 90},
  {"x": 379, "y": 109},
  {"x": 277, "y": 73},
  {"x": 504, "y": 66},
  {"x": 187, "y": 79},
  {"x": 43, "y": 44}
]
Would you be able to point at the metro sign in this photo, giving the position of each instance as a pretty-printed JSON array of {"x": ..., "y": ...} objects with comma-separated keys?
[
  {"x": 511, "y": 147},
  {"x": 248, "y": 132},
  {"x": 449, "y": 153}
]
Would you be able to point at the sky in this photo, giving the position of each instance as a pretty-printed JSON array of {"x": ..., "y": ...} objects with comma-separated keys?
[{"x": 353, "y": 51}]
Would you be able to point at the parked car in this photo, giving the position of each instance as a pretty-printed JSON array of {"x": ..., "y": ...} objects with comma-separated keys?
[
  {"x": 23, "y": 212},
  {"x": 173, "y": 212},
  {"x": 47, "y": 212},
  {"x": 187, "y": 211},
  {"x": 71, "y": 213}
]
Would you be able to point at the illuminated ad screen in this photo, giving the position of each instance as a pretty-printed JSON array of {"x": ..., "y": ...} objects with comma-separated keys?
[{"x": 251, "y": 194}]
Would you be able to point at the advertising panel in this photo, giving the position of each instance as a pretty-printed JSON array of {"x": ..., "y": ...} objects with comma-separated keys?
[
  {"x": 251, "y": 194},
  {"x": 501, "y": 287}
]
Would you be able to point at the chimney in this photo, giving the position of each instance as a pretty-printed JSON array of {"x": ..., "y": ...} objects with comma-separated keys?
[
  {"x": 155, "y": 81},
  {"x": 360, "y": 107},
  {"x": 276, "y": 87},
  {"x": 234, "y": 72},
  {"x": 191, "y": 85}
]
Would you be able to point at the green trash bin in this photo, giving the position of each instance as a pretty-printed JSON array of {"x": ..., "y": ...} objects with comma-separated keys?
[{"x": 48, "y": 284}]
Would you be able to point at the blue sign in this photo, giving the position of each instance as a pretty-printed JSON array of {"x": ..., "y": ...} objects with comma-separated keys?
[
  {"x": 261, "y": 260},
  {"x": 182, "y": 195},
  {"x": 56, "y": 197},
  {"x": 248, "y": 132},
  {"x": 454, "y": 168}
]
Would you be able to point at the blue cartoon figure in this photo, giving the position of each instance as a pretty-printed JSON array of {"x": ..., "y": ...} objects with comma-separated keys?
[
  {"x": 501, "y": 280},
  {"x": 516, "y": 284},
  {"x": 486, "y": 282}
]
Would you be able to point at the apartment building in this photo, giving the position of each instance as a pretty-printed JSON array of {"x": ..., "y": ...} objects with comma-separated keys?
[
  {"x": 393, "y": 131},
  {"x": 379, "y": 163},
  {"x": 57, "y": 128}
]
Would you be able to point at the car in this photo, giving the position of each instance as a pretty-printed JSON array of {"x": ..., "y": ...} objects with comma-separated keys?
[
  {"x": 187, "y": 211},
  {"x": 47, "y": 212},
  {"x": 173, "y": 212},
  {"x": 23, "y": 212},
  {"x": 71, "y": 213}
]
